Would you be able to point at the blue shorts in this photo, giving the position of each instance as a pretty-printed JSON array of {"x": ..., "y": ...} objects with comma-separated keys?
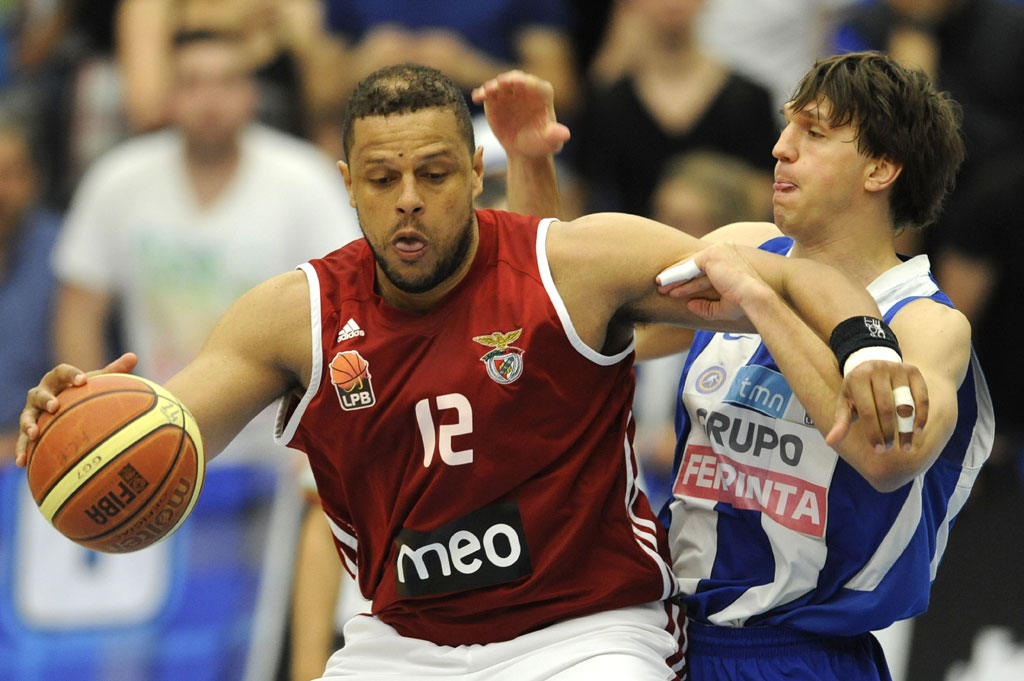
[{"x": 776, "y": 653}]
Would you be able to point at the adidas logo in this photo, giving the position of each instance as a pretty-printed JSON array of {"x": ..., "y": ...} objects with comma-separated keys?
[{"x": 350, "y": 331}]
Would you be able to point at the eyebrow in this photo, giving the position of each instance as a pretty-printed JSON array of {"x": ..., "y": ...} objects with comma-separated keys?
[
  {"x": 446, "y": 155},
  {"x": 811, "y": 114}
]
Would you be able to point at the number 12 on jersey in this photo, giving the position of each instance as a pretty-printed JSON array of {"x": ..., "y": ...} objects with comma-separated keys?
[{"x": 440, "y": 437}]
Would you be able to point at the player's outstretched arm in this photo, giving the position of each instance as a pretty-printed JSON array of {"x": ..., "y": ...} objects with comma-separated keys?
[
  {"x": 520, "y": 110},
  {"x": 259, "y": 350},
  {"x": 603, "y": 266}
]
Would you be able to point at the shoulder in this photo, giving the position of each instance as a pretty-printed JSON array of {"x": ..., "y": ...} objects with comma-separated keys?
[
  {"x": 927, "y": 315},
  {"x": 604, "y": 252},
  {"x": 933, "y": 333},
  {"x": 587, "y": 233},
  {"x": 281, "y": 303},
  {"x": 744, "y": 233}
]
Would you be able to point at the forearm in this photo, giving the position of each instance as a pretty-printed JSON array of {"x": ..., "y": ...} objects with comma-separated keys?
[
  {"x": 823, "y": 296},
  {"x": 811, "y": 370},
  {"x": 803, "y": 357},
  {"x": 80, "y": 327},
  {"x": 532, "y": 186}
]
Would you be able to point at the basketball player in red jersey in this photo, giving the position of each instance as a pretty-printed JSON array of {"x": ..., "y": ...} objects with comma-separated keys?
[{"x": 461, "y": 381}]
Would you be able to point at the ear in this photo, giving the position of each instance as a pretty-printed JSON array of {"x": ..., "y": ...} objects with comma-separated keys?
[
  {"x": 347, "y": 174},
  {"x": 881, "y": 174},
  {"x": 478, "y": 171}
]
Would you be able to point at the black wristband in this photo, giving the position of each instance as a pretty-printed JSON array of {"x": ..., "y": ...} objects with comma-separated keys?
[{"x": 857, "y": 333}]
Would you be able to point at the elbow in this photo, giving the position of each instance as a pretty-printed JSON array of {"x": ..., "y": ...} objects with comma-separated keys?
[
  {"x": 889, "y": 483},
  {"x": 888, "y": 471}
]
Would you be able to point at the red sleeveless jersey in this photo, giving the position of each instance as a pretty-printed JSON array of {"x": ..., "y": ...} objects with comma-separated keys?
[{"x": 475, "y": 462}]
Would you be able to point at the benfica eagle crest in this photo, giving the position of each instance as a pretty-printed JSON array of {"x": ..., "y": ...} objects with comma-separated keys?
[{"x": 504, "y": 362}]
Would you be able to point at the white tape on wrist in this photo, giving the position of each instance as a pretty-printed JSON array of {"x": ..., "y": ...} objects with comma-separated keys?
[
  {"x": 684, "y": 271},
  {"x": 902, "y": 397},
  {"x": 873, "y": 353}
]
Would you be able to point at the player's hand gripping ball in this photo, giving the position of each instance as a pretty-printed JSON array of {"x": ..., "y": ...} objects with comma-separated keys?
[{"x": 119, "y": 466}]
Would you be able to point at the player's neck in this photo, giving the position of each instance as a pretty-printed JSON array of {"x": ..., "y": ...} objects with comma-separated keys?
[{"x": 861, "y": 256}]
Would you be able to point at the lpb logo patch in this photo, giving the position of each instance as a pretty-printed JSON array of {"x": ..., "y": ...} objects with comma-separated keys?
[
  {"x": 504, "y": 363},
  {"x": 350, "y": 374}
]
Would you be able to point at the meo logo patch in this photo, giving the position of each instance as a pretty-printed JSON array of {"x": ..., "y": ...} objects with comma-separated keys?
[{"x": 484, "y": 548}]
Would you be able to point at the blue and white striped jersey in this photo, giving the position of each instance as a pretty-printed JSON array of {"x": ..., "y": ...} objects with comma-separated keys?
[{"x": 768, "y": 526}]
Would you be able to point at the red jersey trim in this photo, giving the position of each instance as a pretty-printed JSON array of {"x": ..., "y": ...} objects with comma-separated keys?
[
  {"x": 288, "y": 419},
  {"x": 563, "y": 313}
]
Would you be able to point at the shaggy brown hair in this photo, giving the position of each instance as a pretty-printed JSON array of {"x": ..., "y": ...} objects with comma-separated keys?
[{"x": 898, "y": 115}]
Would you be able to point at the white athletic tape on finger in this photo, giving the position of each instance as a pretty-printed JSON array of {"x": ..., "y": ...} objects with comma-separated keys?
[
  {"x": 677, "y": 274},
  {"x": 870, "y": 354},
  {"x": 902, "y": 397}
]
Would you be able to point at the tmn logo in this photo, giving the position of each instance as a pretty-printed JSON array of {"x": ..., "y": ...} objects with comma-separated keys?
[{"x": 484, "y": 548}]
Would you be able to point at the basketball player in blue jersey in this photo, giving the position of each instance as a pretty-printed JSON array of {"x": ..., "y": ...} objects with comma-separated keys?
[
  {"x": 794, "y": 536},
  {"x": 434, "y": 461},
  {"x": 791, "y": 542}
]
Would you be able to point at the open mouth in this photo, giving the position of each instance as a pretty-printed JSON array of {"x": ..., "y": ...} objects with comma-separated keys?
[{"x": 409, "y": 246}]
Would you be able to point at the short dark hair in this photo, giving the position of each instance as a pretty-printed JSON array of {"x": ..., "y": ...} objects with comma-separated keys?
[
  {"x": 899, "y": 115},
  {"x": 406, "y": 88}
]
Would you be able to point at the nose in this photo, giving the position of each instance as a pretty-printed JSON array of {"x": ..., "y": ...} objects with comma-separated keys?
[
  {"x": 409, "y": 200},
  {"x": 784, "y": 150}
]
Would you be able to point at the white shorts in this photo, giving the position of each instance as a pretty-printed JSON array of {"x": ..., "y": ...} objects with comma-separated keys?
[{"x": 639, "y": 643}]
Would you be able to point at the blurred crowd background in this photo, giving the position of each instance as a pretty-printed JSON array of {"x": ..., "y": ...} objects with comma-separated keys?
[{"x": 145, "y": 182}]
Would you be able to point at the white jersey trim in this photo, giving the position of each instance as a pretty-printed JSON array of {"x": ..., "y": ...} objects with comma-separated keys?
[
  {"x": 977, "y": 454},
  {"x": 341, "y": 535},
  {"x": 896, "y": 540},
  {"x": 284, "y": 428},
  {"x": 644, "y": 531},
  {"x": 890, "y": 287},
  {"x": 563, "y": 314},
  {"x": 348, "y": 541}
]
